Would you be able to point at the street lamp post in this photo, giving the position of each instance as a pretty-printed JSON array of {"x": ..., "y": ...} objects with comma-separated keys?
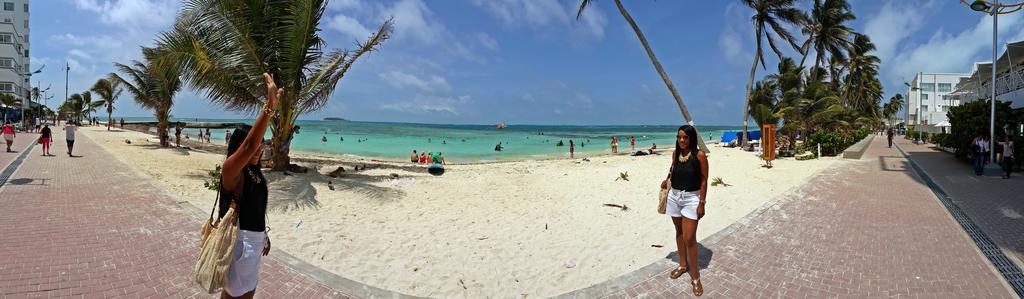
[{"x": 995, "y": 9}]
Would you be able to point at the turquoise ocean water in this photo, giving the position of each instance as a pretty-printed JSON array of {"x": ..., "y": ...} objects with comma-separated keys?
[{"x": 464, "y": 143}]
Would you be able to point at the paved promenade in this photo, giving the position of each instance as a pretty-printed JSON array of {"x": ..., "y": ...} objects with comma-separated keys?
[
  {"x": 866, "y": 228},
  {"x": 994, "y": 204},
  {"x": 89, "y": 226}
]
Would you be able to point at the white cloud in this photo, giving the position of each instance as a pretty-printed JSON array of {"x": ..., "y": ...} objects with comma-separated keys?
[
  {"x": 891, "y": 26},
  {"x": 542, "y": 14},
  {"x": 343, "y": 4},
  {"x": 945, "y": 52},
  {"x": 432, "y": 83},
  {"x": 429, "y": 104},
  {"x": 78, "y": 53},
  {"x": 487, "y": 41},
  {"x": 349, "y": 26},
  {"x": 132, "y": 14},
  {"x": 413, "y": 19},
  {"x": 730, "y": 41}
]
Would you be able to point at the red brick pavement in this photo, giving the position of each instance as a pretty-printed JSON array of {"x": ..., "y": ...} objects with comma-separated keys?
[
  {"x": 20, "y": 144},
  {"x": 90, "y": 227},
  {"x": 994, "y": 204},
  {"x": 863, "y": 229}
]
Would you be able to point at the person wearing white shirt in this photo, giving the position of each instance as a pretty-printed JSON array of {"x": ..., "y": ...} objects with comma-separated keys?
[{"x": 69, "y": 130}]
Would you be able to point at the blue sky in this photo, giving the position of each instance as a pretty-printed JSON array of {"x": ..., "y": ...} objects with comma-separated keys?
[{"x": 523, "y": 61}]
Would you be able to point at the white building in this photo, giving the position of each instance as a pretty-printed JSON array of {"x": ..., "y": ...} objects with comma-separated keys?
[
  {"x": 928, "y": 98},
  {"x": 14, "y": 46}
]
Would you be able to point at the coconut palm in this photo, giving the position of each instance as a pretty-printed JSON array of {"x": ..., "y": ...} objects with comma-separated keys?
[
  {"x": 894, "y": 106},
  {"x": 222, "y": 48},
  {"x": 153, "y": 87},
  {"x": 108, "y": 90},
  {"x": 657, "y": 65},
  {"x": 8, "y": 100},
  {"x": 827, "y": 31},
  {"x": 862, "y": 86},
  {"x": 770, "y": 16},
  {"x": 73, "y": 107}
]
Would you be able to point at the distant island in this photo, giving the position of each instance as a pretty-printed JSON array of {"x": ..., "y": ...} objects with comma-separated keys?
[{"x": 333, "y": 118}]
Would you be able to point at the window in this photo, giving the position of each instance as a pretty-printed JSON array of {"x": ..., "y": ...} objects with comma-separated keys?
[
  {"x": 924, "y": 96},
  {"x": 26, "y": 53},
  {"x": 9, "y": 6},
  {"x": 924, "y": 108},
  {"x": 26, "y": 7},
  {"x": 945, "y": 87},
  {"x": 6, "y": 38},
  {"x": 26, "y": 23},
  {"x": 928, "y": 87},
  {"x": 6, "y": 87},
  {"x": 7, "y": 62}
]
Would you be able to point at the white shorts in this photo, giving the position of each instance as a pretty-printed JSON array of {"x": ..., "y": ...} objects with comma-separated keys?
[
  {"x": 9, "y": 137},
  {"x": 244, "y": 273},
  {"x": 682, "y": 204}
]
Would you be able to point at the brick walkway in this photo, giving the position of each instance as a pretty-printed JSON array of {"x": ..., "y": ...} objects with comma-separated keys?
[
  {"x": 20, "y": 143},
  {"x": 863, "y": 229},
  {"x": 994, "y": 204},
  {"x": 91, "y": 227}
]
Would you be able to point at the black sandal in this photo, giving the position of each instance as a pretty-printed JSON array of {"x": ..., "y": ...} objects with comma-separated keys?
[{"x": 678, "y": 272}]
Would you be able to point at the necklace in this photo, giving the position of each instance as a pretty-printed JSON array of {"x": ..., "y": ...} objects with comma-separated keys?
[{"x": 683, "y": 158}]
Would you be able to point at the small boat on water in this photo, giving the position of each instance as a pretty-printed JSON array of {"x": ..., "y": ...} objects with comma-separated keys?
[{"x": 501, "y": 125}]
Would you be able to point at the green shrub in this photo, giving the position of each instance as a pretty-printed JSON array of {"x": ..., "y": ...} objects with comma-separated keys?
[
  {"x": 832, "y": 143},
  {"x": 971, "y": 119},
  {"x": 214, "y": 182}
]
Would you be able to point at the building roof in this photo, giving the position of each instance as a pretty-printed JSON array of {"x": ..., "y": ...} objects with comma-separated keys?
[{"x": 1012, "y": 58}]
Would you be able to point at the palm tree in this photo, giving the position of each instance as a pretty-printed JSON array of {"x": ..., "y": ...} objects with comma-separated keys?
[
  {"x": 8, "y": 100},
  {"x": 153, "y": 86},
  {"x": 895, "y": 105},
  {"x": 862, "y": 86},
  {"x": 657, "y": 65},
  {"x": 769, "y": 16},
  {"x": 73, "y": 107},
  {"x": 827, "y": 31},
  {"x": 223, "y": 47},
  {"x": 108, "y": 89}
]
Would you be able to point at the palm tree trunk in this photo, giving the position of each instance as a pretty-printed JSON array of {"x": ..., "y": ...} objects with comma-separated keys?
[
  {"x": 109, "y": 119},
  {"x": 282, "y": 129},
  {"x": 661, "y": 72},
  {"x": 746, "y": 100}
]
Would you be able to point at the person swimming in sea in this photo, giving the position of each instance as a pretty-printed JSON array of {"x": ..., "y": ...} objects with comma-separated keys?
[
  {"x": 342, "y": 138},
  {"x": 323, "y": 139},
  {"x": 497, "y": 148}
]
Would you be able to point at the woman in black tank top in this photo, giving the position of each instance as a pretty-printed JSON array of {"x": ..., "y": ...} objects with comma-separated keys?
[
  {"x": 243, "y": 182},
  {"x": 688, "y": 176}
]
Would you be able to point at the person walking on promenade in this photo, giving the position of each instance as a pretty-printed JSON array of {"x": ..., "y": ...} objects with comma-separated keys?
[
  {"x": 44, "y": 138},
  {"x": 243, "y": 185},
  {"x": 69, "y": 130},
  {"x": 889, "y": 133},
  {"x": 9, "y": 134},
  {"x": 1007, "y": 145},
  {"x": 978, "y": 149},
  {"x": 688, "y": 179}
]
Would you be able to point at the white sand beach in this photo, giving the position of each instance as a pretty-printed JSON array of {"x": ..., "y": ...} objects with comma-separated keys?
[{"x": 507, "y": 229}]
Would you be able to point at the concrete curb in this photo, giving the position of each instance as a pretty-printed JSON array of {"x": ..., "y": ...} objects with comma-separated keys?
[{"x": 857, "y": 150}]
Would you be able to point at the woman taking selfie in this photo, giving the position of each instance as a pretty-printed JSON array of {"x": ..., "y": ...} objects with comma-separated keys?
[{"x": 242, "y": 180}]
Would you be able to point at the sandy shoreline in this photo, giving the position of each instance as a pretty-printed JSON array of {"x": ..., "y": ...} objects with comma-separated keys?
[{"x": 498, "y": 229}]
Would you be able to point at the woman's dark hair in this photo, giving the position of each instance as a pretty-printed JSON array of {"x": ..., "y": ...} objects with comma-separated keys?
[
  {"x": 691, "y": 134},
  {"x": 237, "y": 137}
]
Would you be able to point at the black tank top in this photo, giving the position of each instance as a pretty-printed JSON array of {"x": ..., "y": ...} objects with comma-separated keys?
[
  {"x": 686, "y": 175},
  {"x": 252, "y": 201},
  {"x": 45, "y": 133}
]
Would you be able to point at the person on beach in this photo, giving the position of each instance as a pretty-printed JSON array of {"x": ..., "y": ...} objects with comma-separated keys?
[
  {"x": 415, "y": 157},
  {"x": 430, "y": 158},
  {"x": 572, "y": 149},
  {"x": 177, "y": 133},
  {"x": 44, "y": 138},
  {"x": 889, "y": 134},
  {"x": 615, "y": 145},
  {"x": 227, "y": 136},
  {"x": 243, "y": 186},
  {"x": 122, "y": 123},
  {"x": 9, "y": 134},
  {"x": 1007, "y": 145},
  {"x": 423, "y": 158},
  {"x": 207, "y": 135},
  {"x": 437, "y": 158},
  {"x": 688, "y": 179},
  {"x": 69, "y": 136},
  {"x": 978, "y": 149},
  {"x": 632, "y": 143}
]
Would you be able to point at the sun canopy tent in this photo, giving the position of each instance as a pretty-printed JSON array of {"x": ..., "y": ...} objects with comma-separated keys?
[
  {"x": 1012, "y": 59},
  {"x": 730, "y": 136}
]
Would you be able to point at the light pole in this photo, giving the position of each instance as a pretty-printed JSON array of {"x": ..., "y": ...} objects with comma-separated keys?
[{"x": 995, "y": 9}]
